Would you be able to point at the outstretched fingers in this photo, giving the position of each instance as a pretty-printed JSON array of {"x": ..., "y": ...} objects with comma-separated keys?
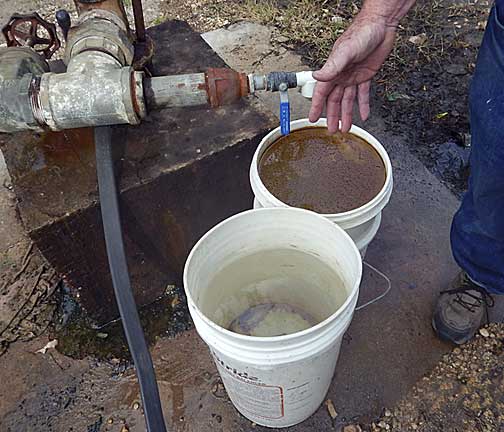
[
  {"x": 363, "y": 98},
  {"x": 320, "y": 94},
  {"x": 347, "y": 103},
  {"x": 334, "y": 108}
]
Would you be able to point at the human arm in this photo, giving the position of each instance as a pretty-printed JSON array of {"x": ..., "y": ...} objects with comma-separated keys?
[{"x": 355, "y": 58}]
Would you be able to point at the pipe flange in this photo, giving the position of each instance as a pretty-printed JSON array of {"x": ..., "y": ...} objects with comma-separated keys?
[
  {"x": 45, "y": 108},
  {"x": 104, "y": 15},
  {"x": 137, "y": 94},
  {"x": 102, "y": 44},
  {"x": 128, "y": 87},
  {"x": 100, "y": 29}
]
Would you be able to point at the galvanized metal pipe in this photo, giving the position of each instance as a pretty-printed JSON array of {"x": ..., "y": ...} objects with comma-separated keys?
[
  {"x": 19, "y": 69},
  {"x": 99, "y": 87},
  {"x": 79, "y": 99},
  {"x": 176, "y": 91}
]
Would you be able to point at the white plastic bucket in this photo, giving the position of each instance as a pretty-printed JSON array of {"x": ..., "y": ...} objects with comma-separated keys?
[
  {"x": 362, "y": 223},
  {"x": 274, "y": 381}
]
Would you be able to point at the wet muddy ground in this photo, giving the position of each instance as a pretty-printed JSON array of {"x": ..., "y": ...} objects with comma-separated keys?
[
  {"x": 78, "y": 337},
  {"x": 424, "y": 90}
]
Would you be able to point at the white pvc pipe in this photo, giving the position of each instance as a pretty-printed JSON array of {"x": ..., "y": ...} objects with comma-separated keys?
[{"x": 306, "y": 83}]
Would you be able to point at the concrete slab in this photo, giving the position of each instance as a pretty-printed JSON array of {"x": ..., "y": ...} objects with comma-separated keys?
[
  {"x": 182, "y": 172},
  {"x": 253, "y": 48}
]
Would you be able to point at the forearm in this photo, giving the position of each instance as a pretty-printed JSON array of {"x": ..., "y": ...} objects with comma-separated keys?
[{"x": 391, "y": 11}]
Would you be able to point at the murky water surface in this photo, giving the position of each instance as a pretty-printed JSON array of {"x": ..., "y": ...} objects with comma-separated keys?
[
  {"x": 325, "y": 173},
  {"x": 273, "y": 293}
]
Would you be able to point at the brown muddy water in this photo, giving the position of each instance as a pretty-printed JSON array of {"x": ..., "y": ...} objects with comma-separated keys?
[{"x": 312, "y": 169}]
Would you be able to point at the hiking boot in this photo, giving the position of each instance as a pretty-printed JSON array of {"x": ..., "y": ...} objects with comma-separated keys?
[{"x": 461, "y": 310}]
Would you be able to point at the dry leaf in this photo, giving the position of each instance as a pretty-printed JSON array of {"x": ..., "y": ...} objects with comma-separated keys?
[
  {"x": 419, "y": 39},
  {"x": 49, "y": 345},
  {"x": 331, "y": 409},
  {"x": 175, "y": 301}
]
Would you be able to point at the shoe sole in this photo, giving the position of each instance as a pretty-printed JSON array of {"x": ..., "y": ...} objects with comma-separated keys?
[{"x": 447, "y": 337}]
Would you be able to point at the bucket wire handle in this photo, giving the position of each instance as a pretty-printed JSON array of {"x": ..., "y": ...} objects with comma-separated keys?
[{"x": 383, "y": 294}]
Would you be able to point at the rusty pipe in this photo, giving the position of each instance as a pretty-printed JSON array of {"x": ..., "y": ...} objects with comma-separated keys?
[
  {"x": 225, "y": 86},
  {"x": 216, "y": 87},
  {"x": 139, "y": 20}
]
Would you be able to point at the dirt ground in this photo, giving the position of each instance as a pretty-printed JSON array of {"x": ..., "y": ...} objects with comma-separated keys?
[{"x": 422, "y": 91}]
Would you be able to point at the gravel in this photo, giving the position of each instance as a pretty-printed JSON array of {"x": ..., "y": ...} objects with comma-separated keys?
[{"x": 465, "y": 392}]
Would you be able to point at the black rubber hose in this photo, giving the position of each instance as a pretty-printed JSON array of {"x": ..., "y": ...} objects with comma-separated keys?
[{"x": 109, "y": 201}]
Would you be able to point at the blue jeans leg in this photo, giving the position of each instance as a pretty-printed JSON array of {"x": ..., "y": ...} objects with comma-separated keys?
[{"x": 477, "y": 234}]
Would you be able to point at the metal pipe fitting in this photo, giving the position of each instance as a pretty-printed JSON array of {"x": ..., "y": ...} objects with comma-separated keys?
[
  {"x": 271, "y": 82},
  {"x": 100, "y": 30},
  {"x": 217, "y": 87},
  {"x": 225, "y": 86},
  {"x": 16, "y": 62},
  {"x": 115, "y": 6},
  {"x": 19, "y": 68},
  {"x": 99, "y": 87},
  {"x": 96, "y": 92}
]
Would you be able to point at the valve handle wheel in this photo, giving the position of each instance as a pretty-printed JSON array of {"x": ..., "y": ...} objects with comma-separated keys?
[{"x": 33, "y": 31}]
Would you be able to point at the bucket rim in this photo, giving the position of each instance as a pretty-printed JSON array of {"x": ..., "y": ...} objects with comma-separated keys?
[
  {"x": 292, "y": 336},
  {"x": 258, "y": 185}
]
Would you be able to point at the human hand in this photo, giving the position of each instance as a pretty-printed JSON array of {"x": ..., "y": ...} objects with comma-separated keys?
[{"x": 355, "y": 58}]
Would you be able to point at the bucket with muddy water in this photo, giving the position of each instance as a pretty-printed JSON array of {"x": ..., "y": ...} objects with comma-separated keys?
[
  {"x": 345, "y": 177},
  {"x": 271, "y": 292}
]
